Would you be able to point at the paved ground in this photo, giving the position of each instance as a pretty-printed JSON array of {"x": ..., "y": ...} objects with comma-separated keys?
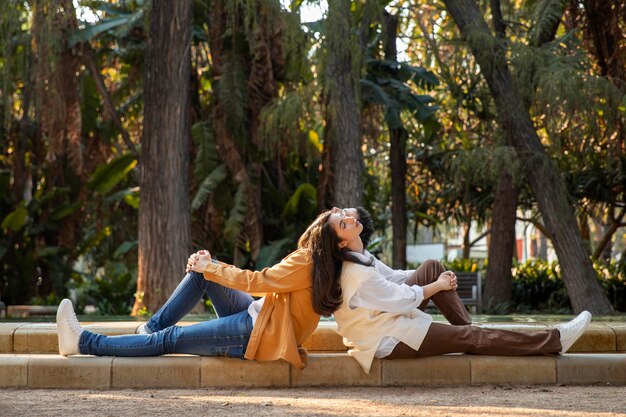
[{"x": 488, "y": 400}]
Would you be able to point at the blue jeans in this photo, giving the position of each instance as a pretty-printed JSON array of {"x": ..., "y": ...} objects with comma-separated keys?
[{"x": 228, "y": 335}]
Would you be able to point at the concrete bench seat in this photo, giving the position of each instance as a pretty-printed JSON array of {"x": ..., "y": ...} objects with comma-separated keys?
[
  {"x": 42, "y": 337},
  {"x": 324, "y": 369},
  {"x": 28, "y": 310}
]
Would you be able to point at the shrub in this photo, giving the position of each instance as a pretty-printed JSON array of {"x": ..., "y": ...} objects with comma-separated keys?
[
  {"x": 110, "y": 290},
  {"x": 538, "y": 286},
  {"x": 612, "y": 276}
]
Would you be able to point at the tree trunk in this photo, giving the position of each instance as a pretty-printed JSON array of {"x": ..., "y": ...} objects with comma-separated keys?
[
  {"x": 397, "y": 160},
  {"x": 604, "y": 29},
  {"x": 467, "y": 228},
  {"x": 343, "y": 132},
  {"x": 164, "y": 219},
  {"x": 398, "y": 196},
  {"x": 498, "y": 286},
  {"x": 578, "y": 273}
]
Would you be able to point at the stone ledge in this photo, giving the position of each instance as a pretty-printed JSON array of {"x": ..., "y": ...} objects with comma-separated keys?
[
  {"x": 7, "y": 330},
  {"x": 55, "y": 371},
  {"x": 169, "y": 371},
  {"x": 14, "y": 370},
  {"x": 336, "y": 369},
  {"x": 620, "y": 336},
  {"x": 325, "y": 339},
  {"x": 535, "y": 370},
  {"x": 436, "y": 370},
  {"x": 42, "y": 337},
  {"x": 594, "y": 368}
]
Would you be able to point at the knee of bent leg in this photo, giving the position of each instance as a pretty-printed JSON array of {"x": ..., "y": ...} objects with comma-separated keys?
[
  {"x": 196, "y": 275},
  {"x": 434, "y": 265}
]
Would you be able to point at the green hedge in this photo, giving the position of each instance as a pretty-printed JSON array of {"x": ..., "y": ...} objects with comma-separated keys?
[{"x": 538, "y": 286}]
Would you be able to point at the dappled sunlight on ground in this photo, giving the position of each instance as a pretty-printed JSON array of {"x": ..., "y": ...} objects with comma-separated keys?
[{"x": 489, "y": 400}]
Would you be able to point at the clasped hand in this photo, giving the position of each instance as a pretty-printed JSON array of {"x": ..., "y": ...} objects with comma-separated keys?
[
  {"x": 448, "y": 281},
  {"x": 198, "y": 261}
]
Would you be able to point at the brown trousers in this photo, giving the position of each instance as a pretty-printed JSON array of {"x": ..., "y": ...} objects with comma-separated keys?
[{"x": 460, "y": 337}]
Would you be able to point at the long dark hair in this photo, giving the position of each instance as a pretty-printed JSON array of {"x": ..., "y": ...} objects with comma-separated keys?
[{"x": 323, "y": 243}]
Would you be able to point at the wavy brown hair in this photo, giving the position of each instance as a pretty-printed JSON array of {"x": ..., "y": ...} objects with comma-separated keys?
[{"x": 323, "y": 243}]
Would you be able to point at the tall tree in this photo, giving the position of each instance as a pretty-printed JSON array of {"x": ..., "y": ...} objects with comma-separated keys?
[
  {"x": 343, "y": 159},
  {"x": 578, "y": 273},
  {"x": 499, "y": 285},
  {"x": 164, "y": 219},
  {"x": 397, "y": 159}
]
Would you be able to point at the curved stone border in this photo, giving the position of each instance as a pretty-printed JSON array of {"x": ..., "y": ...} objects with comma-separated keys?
[{"x": 331, "y": 369}]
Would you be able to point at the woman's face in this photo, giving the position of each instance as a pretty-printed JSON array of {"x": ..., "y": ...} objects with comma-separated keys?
[{"x": 347, "y": 228}]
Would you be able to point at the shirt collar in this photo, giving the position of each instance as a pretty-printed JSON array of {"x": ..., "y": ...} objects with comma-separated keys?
[{"x": 364, "y": 257}]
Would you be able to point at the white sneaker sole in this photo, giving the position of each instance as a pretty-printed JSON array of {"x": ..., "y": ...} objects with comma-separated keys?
[{"x": 65, "y": 348}]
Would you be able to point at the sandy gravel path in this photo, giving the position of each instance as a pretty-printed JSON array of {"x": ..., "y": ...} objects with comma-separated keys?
[{"x": 488, "y": 400}]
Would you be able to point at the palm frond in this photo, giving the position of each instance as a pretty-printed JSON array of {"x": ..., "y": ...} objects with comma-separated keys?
[
  {"x": 303, "y": 201},
  {"x": 206, "y": 157},
  {"x": 237, "y": 214},
  {"x": 271, "y": 254},
  {"x": 282, "y": 120},
  {"x": 297, "y": 66},
  {"x": 233, "y": 95},
  {"x": 372, "y": 93},
  {"x": 209, "y": 184}
]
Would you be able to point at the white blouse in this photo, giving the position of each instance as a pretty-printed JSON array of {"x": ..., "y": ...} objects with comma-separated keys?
[{"x": 386, "y": 292}]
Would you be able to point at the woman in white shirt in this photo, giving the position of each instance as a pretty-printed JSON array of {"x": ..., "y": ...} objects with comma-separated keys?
[{"x": 378, "y": 311}]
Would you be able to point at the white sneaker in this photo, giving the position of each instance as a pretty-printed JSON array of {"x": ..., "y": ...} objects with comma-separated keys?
[
  {"x": 68, "y": 328},
  {"x": 572, "y": 330},
  {"x": 143, "y": 329}
]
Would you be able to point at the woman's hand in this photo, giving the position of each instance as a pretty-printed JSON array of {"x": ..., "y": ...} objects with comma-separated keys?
[
  {"x": 198, "y": 261},
  {"x": 447, "y": 281}
]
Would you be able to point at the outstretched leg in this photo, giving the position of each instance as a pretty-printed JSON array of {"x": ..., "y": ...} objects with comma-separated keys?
[
  {"x": 443, "y": 338},
  {"x": 448, "y": 302},
  {"x": 227, "y": 336}
]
